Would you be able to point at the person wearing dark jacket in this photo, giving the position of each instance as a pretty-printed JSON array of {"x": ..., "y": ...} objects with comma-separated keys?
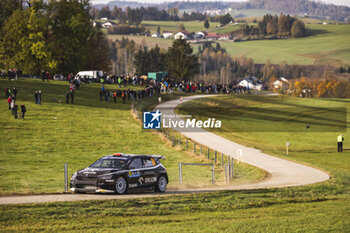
[
  {"x": 15, "y": 110},
  {"x": 72, "y": 97},
  {"x": 67, "y": 97},
  {"x": 23, "y": 110},
  {"x": 36, "y": 97},
  {"x": 39, "y": 97}
]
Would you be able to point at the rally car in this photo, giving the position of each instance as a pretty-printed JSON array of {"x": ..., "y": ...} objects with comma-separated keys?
[{"x": 119, "y": 173}]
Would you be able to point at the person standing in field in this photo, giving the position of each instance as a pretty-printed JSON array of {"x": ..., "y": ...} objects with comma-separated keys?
[
  {"x": 23, "y": 110},
  {"x": 72, "y": 97},
  {"x": 115, "y": 96},
  {"x": 15, "y": 110},
  {"x": 39, "y": 97},
  {"x": 123, "y": 96},
  {"x": 9, "y": 101},
  {"x": 67, "y": 97},
  {"x": 36, "y": 97},
  {"x": 340, "y": 143}
]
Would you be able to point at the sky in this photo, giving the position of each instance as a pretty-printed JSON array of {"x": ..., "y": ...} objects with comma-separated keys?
[{"x": 335, "y": 2}]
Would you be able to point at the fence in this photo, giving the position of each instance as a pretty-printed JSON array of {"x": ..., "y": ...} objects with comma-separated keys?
[{"x": 176, "y": 139}]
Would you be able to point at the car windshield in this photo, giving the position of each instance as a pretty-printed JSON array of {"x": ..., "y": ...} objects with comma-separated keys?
[{"x": 110, "y": 163}]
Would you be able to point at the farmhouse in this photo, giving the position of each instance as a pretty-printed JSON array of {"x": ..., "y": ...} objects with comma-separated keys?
[
  {"x": 251, "y": 83},
  {"x": 108, "y": 24},
  {"x": 182, "y": 34},
  {"x": 155, "y": 35},
  {"x": 281, "y": 84},
  {"x": 199, "y": 35},
  {"x": 167, "y": 34}
]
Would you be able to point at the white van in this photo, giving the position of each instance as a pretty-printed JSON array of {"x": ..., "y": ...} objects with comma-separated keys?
[{"x": 90, "y": 75}]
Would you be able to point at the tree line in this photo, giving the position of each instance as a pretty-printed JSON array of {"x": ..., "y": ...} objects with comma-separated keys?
[
  {"x": 134, "y": 16},
  {"x": 320, "y": 88},
  {"x": 282, "y": 26},
  {"x": 55, "y": 36}
]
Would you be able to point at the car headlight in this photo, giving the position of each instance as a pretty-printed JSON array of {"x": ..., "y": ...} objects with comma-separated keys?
[
  {"x": 105, "y": 177},
  {"x": 74, "y": 176}
]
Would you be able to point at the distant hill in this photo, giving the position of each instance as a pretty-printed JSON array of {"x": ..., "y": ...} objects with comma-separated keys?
[{"x": 293, "y": 7}]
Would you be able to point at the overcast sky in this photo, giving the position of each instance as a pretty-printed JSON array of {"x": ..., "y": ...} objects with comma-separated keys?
[{"x": 336, "y": 2}]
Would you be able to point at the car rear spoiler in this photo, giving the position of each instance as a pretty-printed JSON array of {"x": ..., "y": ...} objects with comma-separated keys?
[{"x": 158, "y": 156}]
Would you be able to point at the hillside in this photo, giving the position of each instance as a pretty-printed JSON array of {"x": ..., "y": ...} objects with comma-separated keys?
[{"x": 251, "y": 8}]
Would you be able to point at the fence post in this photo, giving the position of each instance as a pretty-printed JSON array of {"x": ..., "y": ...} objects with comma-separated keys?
[
  {"x": 212, "y": 174},
  {"x": 180, "y": 174},
  {"x": 172, "y": 141},
  {"x": 194, "y": 147},
  {"x": 229, "y": 167},
  {"x": 201, "y": 150},
  {"x": 65, "y": 177},
  {"x": 208, "y": 153},
  {"x": 167, "y": 134},
  {"x": 215, "y": 157},
  {"x": 222, "y": 159},
  {"x": 179, "y": 141},
  {"x": 232, "y": 167},
  {"x": 186, "y": 143},
  {"x": 226, "y": 180}
]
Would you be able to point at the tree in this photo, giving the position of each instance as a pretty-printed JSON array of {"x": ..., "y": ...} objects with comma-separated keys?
[
  {"x": 225, "y": 19},
  {"x": 181, "y": 63},
  {"x": 14, "y": 33},
  {"x": 181, "y": 27},
  {"x": 206, "y": 24},
  {"x": 7, "y": 7},
  {"x": 298, "y": 29},
  {"x": 141, "y": 61}
]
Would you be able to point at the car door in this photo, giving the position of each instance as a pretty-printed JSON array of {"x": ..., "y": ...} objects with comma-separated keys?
[
  {"x": 135, "y": 174},
  {"x": 149, "y": 173}
]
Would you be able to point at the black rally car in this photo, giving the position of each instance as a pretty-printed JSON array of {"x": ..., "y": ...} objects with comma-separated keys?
[{"x": 121, "y": 172}]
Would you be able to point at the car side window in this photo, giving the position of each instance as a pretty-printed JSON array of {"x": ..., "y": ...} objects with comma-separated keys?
[
  {"x": 149, "y": 162},
  {"x": 136, "y": 164}
]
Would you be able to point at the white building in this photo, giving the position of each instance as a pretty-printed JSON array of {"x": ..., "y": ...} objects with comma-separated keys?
[
  {"x": 281, "y": 84},
  {"x": 108, "y": 24},
  {"x": 182, "y": 34},
  {"x": 155, "y": 35},
  {"x": 251, "y": 83},
  {"x": 167, "y": 34}
]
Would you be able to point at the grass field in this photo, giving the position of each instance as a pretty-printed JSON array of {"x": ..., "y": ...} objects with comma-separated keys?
[
  {"x": 191, "y": 26},
  {"x": 328, "y": 44},
  {"x": 33, "y": 151},
  {"x": 320, "y": 207}
]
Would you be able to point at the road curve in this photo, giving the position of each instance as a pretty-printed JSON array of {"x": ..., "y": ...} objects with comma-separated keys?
[{"x": 282, "y": 173}]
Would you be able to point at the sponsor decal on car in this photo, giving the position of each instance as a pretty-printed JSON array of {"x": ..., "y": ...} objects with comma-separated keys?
[
  {"x": 147, "y": 180},
  {"x": 134, "y": 174},
  {"x": 133, "y": 185}
]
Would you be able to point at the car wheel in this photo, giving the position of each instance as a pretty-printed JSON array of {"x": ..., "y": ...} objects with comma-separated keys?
[
  {"x": 120, "y": 185},
  {"x": 161, "y": 184}
]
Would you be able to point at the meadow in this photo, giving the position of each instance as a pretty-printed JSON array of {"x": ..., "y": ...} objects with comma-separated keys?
[
  {"x": 33, "y": 151},
  {"x": 326, "y": 44},
  {"x": 322, "y": 207}
]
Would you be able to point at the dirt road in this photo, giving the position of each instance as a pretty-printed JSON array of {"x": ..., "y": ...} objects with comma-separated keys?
[{"x": 282, "y": 173}]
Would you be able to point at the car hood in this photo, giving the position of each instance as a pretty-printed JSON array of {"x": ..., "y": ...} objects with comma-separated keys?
[{"x": 94, "y": 172}]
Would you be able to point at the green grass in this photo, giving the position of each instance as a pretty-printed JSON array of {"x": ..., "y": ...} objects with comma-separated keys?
[
  {"x": 246, "y": 211},
  {"x": 281, "y": 119},
  {"x": 328, "y": 44},
  {"x": 191, "y": 26},
  {"x": 33, "y": 151},
  {"x": 322, "y": 207}
]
